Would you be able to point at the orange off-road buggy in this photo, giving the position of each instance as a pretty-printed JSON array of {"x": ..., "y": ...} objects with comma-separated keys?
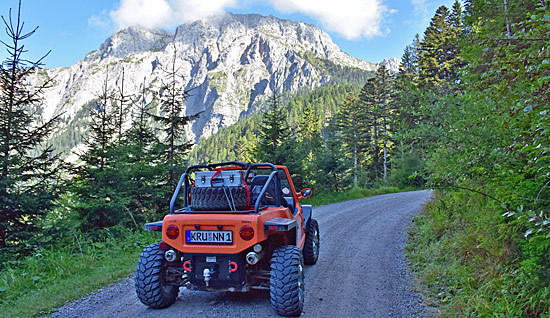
[{"x": 241, "y": 227}]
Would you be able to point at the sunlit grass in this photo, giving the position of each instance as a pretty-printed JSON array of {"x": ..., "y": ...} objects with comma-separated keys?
[
  {"x": 40, "y": 283},
  {"x": 468, "y": 261},
  {"x": 352, "y": 194}
]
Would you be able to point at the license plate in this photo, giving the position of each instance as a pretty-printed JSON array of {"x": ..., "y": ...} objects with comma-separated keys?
[{"x": 209, "y": 237}]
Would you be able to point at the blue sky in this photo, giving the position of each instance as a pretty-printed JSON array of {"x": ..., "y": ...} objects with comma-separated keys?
[{"x": 367, "y": 29}]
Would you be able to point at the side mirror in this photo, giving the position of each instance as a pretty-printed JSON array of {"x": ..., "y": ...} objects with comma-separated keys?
[{"x": 305, "y": 193}]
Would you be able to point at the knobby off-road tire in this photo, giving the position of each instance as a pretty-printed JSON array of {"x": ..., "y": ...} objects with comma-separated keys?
[
  {"x": 215, "y": 199},
  {"x": 311, "y": 247},
  {"x": 150, "y": 285},
  {"x": 287, "y": 281}
]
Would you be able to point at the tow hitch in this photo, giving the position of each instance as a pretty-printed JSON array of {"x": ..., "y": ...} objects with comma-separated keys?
[{"x": 207, "y": 273}]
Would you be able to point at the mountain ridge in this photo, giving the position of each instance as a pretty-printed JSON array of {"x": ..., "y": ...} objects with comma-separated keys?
[{"x": 232, "y": 62}]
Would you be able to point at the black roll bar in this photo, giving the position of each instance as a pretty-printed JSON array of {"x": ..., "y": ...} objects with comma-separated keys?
[
  {"x": 229, "y": 163},
  {"x": 197, "y": 167},
  {"x": 273, "y": 177},
  {"x": 175, "y": 195}
]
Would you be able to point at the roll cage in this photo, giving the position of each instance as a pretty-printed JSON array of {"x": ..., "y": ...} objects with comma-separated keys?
[{"x": 230, "y": 165}]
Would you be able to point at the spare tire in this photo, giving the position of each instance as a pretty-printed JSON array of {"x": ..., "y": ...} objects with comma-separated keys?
[{"x": 218, "y": 198}]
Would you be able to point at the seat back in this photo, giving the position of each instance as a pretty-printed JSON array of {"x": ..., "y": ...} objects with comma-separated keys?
[{"x": 257, "y": 184}]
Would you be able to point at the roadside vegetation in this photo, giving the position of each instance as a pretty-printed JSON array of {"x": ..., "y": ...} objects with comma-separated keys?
[
  {"x": 351, "y": 194},
  {"x": 37, "y": 284},
  {"x": 482, "y": 247}
]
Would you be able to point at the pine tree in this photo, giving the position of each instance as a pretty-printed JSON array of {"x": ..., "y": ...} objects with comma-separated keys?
[
  {"x": 351, "y": 131},
  {"x": 274, "y": 134},
  {"x": 99, "y": 185},
  {"x": 333, "y": 164},
  {"x": 28, "y": 182},
  {"x": 103, "y": 127},
  {"x": 432, "y": 52},
  {"x": 121, "y": 107},
  {"x": 137, "y": 156},
  {"x": 310, "y": 144},
  {"x": 172, "y": 97},
  {"x": 383, "y": 97}
]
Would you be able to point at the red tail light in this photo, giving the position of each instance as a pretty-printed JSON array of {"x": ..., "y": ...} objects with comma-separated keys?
[
  {"x": 247, "y": 232},
  {"x": 172, "y": 232}
]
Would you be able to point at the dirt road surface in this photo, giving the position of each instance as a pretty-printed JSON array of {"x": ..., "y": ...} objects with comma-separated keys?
[{"x": 361, "y": 272}]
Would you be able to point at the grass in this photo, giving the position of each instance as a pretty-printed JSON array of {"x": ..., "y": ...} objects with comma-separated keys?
[
  {"x": 352, "y": 194},
  {"x": 40, "y": 283},
  {"x": 471, "y": 262}
]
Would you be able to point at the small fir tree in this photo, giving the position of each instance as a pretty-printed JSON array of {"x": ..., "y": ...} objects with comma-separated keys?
[
  {"x": 172, "y": 97},
  {"x": 29, "y": 172},
  {"x": 274, "y": 134}
]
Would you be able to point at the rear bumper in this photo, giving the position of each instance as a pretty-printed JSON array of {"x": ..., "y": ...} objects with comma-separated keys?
[{"x": 226, "y": 271}]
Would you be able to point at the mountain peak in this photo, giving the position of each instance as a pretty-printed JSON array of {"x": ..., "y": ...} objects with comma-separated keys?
[
  {"x": 130, "y": 41},
  {"x": 231, "y": 61},
  {"x": 392, "y": 64}
]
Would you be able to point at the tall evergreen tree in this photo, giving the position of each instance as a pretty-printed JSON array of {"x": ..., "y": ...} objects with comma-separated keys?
[
  {"x": 371, "y": 119},
  {"x": 274, "y": 135},
  {"x": 172, "y": 97},
  {"x": 432, "y": 68},
  {"x": 351, "y": 131},
  {"x": 137, "y": 157},
  {"x": 383, "y": 98},
  {"x": 333, "y": 165},
  {"x": 28, "y": 182},
  {"x": 310, "y": 144},
  {"x": 98, "y": 183}
]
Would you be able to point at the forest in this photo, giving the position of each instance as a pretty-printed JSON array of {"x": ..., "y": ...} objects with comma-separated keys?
[{"x": 466, "y": 116}]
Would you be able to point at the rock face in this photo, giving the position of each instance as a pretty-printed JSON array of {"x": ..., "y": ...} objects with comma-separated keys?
[
  {"x": 391, "y": 64},
  {"x": 231, "y": 62}
]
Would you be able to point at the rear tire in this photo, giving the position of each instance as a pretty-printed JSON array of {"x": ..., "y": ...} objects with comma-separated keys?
[
  {"x": 311, "y": 247},
  {"x": 287, "y": 281},
  {"x": 151, "y": 287},
  {"x": 216, "y": 199}
]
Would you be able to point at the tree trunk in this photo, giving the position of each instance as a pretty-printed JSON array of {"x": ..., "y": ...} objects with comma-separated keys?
[
  {"x": 385, "y": 149},
  {"x": 354, "y": 155},
  {"x": 121, "y": 109},
  {"x": 508, "y": 28}
]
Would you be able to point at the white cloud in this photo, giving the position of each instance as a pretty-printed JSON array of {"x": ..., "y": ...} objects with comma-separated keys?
[
  {"x": 351, "y": 18},
  {"x": 420, "y": 7},
  {"x": 165, "y": 13},
  {"x": 100, "y": 21}
]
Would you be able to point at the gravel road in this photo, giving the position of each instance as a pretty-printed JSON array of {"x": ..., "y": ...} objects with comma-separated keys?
[{"x": 362, "y": 272}]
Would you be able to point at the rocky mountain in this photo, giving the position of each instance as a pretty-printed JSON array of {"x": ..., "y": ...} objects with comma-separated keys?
[
  {"x": 232, "y": 62},
  {"x": 391, "y": 64}
]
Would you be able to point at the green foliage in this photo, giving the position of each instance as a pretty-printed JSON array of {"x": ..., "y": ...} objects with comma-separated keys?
[
  {"x": 351, "y": 194},
  {"x": 482, "y": 247},
  {"x": 471, "y": 263},
  {"x": 29, "y": 173},
  {"x": 274, "y": 134},
  {"x": 54, "y": 275},
  {"x": 174, "y": 146}
]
